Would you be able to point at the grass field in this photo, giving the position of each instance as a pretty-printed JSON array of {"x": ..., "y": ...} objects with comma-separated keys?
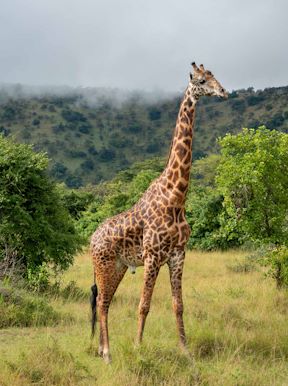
[{"x": 236, "y": 324}]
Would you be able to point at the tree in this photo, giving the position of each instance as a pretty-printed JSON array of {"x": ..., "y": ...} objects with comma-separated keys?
[
  {"x": 35, "y": 227},
  {"x": 211, "y": 226},
  {"x": 203, "y": 210},
  {"x": 59, "y": 171},
  {"x": 253, "y": 178},
  {"x": 204, "y": 170}
]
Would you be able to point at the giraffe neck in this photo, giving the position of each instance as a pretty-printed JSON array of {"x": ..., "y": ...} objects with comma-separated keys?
[{"x": 178, "y": 167}]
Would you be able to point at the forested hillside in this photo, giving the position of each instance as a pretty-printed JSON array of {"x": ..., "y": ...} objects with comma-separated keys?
[{"x": 90, "y": 139}]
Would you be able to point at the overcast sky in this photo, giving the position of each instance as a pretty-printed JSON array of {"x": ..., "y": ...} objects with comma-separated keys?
[{"x": 143, "y": 44}]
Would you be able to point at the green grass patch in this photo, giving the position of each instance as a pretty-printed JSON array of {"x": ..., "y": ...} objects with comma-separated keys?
[
  {"x": 236, "y": 327},
  {"x": 48, "y": 365},
  {"x": 18, "y": 308}
]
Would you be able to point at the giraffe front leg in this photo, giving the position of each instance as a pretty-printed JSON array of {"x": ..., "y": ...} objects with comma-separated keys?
[
  {"x": 175, "y": 270},
  {"x": 151, "y": 270}
]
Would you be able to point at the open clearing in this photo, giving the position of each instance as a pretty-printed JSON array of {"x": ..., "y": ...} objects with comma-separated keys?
[{"x": 236, "y": 324}]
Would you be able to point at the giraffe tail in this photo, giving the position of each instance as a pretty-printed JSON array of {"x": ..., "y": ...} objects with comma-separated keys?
[{"x": 93, "y": 302}]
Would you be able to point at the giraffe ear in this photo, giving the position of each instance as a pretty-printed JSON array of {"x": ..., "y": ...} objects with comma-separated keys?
[{"x": 191, "y": 76}]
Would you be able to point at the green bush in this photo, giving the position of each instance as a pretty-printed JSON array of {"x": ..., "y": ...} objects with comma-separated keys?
[
  {"x": 277, "y": 262},
  {"x": 242, "y": 266},
  {"x": 116, "y": 196},
  {"x": 253, "y": 179},
  {"x": 210, "y": 226},
  {"x": 75, "y": 201},
  {"x": 72, "y": 292},
  {"x": 20, "y": 309},
  {"x": 35, "y": 227},
  {"x": 73, "y": 116}
]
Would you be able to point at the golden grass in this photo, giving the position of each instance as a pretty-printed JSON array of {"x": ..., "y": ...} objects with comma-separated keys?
[{"x": 236, "y": 325}]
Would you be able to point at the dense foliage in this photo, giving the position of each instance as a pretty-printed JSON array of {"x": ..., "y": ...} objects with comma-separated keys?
[
  {"x": 277, "y": 262},
  {"x": 90, "y": 137},
  {"x": 35, "y": 227},
  {"x": 119, "y": 194},
  {"x": 253, "y": 178}
]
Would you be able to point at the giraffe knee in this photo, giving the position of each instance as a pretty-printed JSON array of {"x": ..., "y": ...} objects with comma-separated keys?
[
  {"x": 103, "y": 306},
  {"x": 144, "y": 309},
  {"x": 178, "y": 308}
]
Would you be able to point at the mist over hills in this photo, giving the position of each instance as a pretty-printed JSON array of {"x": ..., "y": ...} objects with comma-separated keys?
[{"x": 92, "y": 133}]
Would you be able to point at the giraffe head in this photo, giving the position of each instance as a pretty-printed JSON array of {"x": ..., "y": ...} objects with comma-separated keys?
[{"x": 203, "y": 82}]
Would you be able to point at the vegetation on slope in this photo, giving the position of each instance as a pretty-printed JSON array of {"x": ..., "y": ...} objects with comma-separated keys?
[{"x": 89, "y": 139}]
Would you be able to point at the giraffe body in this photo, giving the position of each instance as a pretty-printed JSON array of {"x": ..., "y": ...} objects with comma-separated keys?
[
  {"x": 154, "y": 231},
  {"x": 150, "y": 224}
]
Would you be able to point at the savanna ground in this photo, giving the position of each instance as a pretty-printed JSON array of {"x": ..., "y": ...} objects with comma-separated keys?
[{"x": 236, "y": 323}]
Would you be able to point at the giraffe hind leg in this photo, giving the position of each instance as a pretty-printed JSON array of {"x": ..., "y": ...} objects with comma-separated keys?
[{"x": 109, "y": 274}]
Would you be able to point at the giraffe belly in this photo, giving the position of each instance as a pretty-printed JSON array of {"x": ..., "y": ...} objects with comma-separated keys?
[
  {"x": 131, "y": 251},
  {"x": 132, "y": 257}
]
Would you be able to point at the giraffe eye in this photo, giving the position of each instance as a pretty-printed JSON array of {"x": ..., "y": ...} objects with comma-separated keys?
[{"x": 202, "y": 81}]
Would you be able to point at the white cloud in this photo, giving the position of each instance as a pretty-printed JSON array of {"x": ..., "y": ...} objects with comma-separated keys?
[{"x": 143, "y": 44}]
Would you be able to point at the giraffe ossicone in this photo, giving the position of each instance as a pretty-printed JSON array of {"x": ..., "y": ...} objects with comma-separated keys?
[{"x": 154, "y": 231}]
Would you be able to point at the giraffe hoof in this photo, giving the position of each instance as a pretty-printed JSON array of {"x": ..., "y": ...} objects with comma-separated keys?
[
  {"x": 137, "y": 343},
  {"x": 188, "y": 354},
  {"x": 107, "y": 358},
  {"x": 184, "y": 350}
]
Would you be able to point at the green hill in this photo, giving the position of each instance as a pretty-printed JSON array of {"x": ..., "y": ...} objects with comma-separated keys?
[{"x": 89, "y": 139}]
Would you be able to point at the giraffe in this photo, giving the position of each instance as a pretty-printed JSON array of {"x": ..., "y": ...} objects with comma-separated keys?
[{"x": 154, "y": 231}]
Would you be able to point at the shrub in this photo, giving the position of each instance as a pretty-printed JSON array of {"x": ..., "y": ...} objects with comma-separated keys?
[
  {"x": 253, "y": 179},
  {"x": 72, "y": 292},
  {"x": 20, "y": 309},
  {"x": 154, "y": 114},
  {"x": 75, "y": 201},
  {"x": 106, "y": 155},
  {"x": 77, "y": 153},
  {"x": 210, "y": 225},
  {"x": 153, "y": 147},
  {"x": 85, "y": 128},
  {"x": 36, "y": 122},
  {"x": 59, "y": 128},
  {"x": 73, "y": 116},
  {"x": 4, "y": 131},
  {"x": 277, "y": 262},
  {"x": 92, "y": 150},
  {"x": 59, "y": 171},
  {"x": 33, "y": 222},
  {"x": 87, "y": 165},
  {"x": 242, "y": 266},
  {"x": 253, "y": 100},
  {"x": 238, "y": 104},
  {"x": 73, "y": 182}
]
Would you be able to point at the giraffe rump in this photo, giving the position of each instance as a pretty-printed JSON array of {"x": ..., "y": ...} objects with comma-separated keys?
[{"x": 93, "y": 302}]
